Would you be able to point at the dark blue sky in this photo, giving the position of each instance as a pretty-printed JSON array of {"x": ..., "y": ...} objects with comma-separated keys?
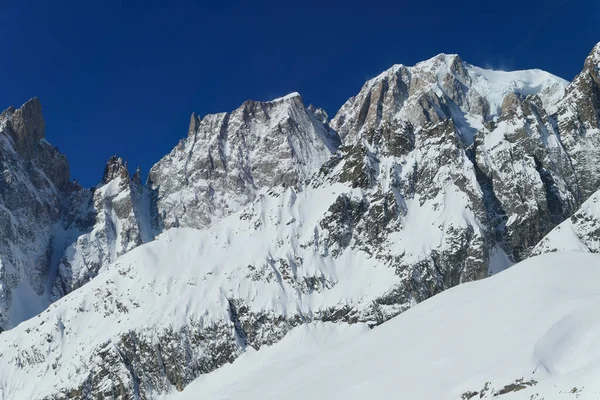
[{"x": 122, "y": 77}]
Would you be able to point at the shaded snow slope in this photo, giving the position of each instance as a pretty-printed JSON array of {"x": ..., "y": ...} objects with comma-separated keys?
[
  {"x": 533, "y": 326},
  {"x": 580, "y": 232}
]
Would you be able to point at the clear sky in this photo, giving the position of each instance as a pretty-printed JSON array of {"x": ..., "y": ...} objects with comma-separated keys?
[{"x": 123, "y": 77}]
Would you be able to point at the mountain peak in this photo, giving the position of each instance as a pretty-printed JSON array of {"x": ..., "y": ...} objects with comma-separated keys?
[
  {"x": 434, "y": 89},
  {"x": 115, "y": 168},
  {"x": 28, "y": 126},
  {"x": 31, "y": 115},
  {"x": 441, "y": 59},
  {"x": 194, "y": 123},
  {"x": 596, "y": 49},
  {"x": 8, "y": 113},
  {"x": 593, "y": 59}
]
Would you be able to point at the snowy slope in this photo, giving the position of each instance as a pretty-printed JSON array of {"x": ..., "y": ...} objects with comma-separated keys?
[
  {"x": 291, "y": 257},
  {"x": 185, "y": 296},
  {"x": 535, "y": 322}
]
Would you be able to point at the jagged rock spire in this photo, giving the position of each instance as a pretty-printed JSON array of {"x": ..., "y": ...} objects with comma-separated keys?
[
  {"x": 319, "y": 113},
  {"x": 28, "y": 127},
  {"x": 115, "y": 168},
  {"x": 194, "y": 124},
  {"x": 137, "y": 176}
]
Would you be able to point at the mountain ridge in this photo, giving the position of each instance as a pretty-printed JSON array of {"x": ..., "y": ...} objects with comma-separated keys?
[{"x": 421, "y": 182}]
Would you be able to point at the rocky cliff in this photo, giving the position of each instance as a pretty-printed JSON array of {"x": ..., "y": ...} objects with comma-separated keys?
[{"x": 34, "y": 180}]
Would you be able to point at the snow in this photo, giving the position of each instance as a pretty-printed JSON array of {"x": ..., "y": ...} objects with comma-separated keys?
[
  {"x": 427, "y": 224},
  {"x": 499, "y": 260},
  {"x": 579, "y": 232},
  {"x": 26, "y": 303},
  {"x": 495, "y": 85},
  {"x": 535, "y": 321},
  {"x": 286, "y": 97}
]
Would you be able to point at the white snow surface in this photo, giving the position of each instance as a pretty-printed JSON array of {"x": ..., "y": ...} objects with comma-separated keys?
[
  {"x": 495, "y": 85},
  {"x": 536, "y": 321}
]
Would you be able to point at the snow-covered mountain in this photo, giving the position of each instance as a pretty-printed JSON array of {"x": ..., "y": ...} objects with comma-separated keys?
[
  {"x": 228, "y": 157},
  {"x": 272, "y": 216},
  {"x": 218, "y": 168},
  {"x": 528, "y": 333},
  {"x": 490, "y": 129}
]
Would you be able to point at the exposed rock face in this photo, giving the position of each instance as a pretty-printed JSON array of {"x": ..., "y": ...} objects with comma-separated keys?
[
  {"x": 29, "y": 128},
  {"x": 526, "y": 174},
  {"x": 228, "y": 157},
  {"x": 115, "y": 169},
  {"x": 444, "y": 87},
  {"x": 578, "y": 124},
  {"x": 34, "y": 177}
]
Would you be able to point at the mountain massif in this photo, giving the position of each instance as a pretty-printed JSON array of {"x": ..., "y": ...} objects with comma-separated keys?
[{"x": 274, "y": 218}]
